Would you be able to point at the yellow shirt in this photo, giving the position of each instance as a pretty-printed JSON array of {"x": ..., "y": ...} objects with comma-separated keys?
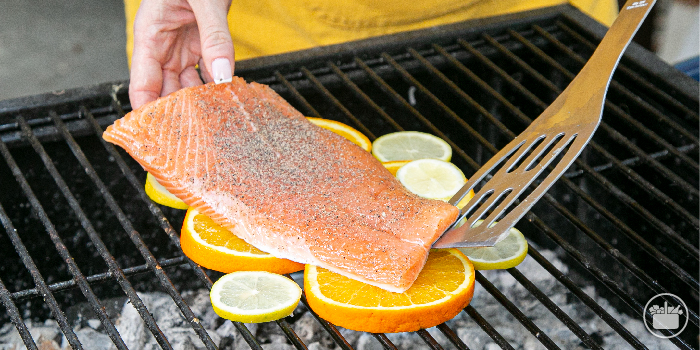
[{"x": 267, "y": 27}]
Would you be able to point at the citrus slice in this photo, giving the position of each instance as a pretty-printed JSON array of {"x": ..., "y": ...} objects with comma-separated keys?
[
  {"x": 432, "y": 178},
  {"x": 465, "y": 199},
  {"x": 505, "y": 254},
  {"x": 254, "y": 296},
  {"x": 410, "y": 145},
  {"x": 343, "y": 130},
  {"x": 161, "y": 195},
  {"x": 216, "y": 248},
  {"x": 394, "y": 166},
  {"x": 443, "y": 288}
]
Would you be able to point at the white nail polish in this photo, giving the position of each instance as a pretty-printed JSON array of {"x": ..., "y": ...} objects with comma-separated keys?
[{"x": 221, "y": 70}]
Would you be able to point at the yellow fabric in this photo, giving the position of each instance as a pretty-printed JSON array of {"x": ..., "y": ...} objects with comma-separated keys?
[{"x": 267, "y": 27}]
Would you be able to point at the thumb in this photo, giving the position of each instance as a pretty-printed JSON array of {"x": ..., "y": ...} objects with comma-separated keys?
[{"x": 215, "y": 38}]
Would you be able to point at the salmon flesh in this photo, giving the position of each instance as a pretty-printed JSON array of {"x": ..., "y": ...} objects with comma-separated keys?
[{"x": 240, "y": 154}]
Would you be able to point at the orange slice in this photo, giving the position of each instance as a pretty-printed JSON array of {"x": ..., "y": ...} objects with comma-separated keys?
[
  {"x": 443, "y": 288},
  {"x": 343, "y": 130},
  {"x": 465, "y": 200},
  {"x": 394, "y": 165},
  {"x": 216, "y": 248}
]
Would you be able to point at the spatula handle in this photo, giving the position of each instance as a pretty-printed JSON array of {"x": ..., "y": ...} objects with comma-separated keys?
[{"x": 606, "y": 57}]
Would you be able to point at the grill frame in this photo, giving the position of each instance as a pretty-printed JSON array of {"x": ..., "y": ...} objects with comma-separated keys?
[{"x": 49, "y": 119}]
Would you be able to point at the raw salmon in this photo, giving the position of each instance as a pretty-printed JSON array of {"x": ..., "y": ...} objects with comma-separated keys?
[{"x": 242, "y": 155}]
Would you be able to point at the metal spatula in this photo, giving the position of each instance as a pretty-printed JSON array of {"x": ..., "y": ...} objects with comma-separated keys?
[{"x": 565, "y": 126}]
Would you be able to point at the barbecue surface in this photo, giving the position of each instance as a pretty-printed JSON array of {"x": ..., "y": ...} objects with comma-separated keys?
[{"x": 77, "y": 228}]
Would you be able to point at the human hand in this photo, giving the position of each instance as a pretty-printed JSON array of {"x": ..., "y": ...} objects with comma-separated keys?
[{"x": 171, "y": 37}]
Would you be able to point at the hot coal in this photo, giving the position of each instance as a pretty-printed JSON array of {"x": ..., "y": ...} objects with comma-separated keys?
[{"x": 223, "y": 333}]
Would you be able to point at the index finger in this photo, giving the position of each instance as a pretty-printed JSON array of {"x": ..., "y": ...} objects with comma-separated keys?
[{"x": 146, "y": 79}]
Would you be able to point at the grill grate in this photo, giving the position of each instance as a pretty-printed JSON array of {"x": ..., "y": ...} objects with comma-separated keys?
[{"x": 625, "y": 214}]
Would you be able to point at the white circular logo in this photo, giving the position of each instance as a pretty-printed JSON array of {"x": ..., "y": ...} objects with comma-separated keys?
[{"x": 665, "y": 315}]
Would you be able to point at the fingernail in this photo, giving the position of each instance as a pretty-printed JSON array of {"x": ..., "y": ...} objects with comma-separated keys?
[{"x": 221, "y": 70}]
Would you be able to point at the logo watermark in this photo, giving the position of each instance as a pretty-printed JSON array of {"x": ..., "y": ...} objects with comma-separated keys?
[
  {"x": 637, "y": 4},
  {"x": 665, "y": 314}
]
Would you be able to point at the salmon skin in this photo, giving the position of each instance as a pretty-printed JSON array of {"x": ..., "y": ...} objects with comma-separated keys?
[{"x": 240, "y": 154}]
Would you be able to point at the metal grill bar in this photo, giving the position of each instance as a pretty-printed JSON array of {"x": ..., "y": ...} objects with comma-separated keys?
[
  {"x": 386, "y": 343},
  {"x": 401, "y": 101},
  {"x": 590, "y": 232},
  {"x": 291, "y": 335},
  {"x": 15, "y": 317},
  {"x": 9, "y": 133},
  {"x": 667, "y": 231},
  {"x": 307, "y": 106},
  {"x": 514, "y": 111},
  {"x": 384, "y": 87},
  {"x": 288, "y": 331},
  {"x": 497, "y": 337},
  {"x": 100, "y": 277},
  {"x": 39, "y": 281},
  {"x": 614, "y": 134},
  {"x": 651, "y": 189},
  {"x": 396, "y": 66},
  {"x": 337, "y": 103},
  {"x": 327, "y": 94},
  {"x": 411, "y": 80},
  {"x": 429, "y": 339},
  {"x": 415, "y": 83},
  {"x": 667, "y": 262},
  {"x": 102, "y": 249},
  {"x": 611, "y": 284},
  {"x": 640, "y": 81},
  {"x": 532, "y": 72},
  {"x": 683, "y": 110},
  {"x": 631, "y": 162},
  {"x": 652, "y": 250},
  {"x": 363, "y": 96},
  {"x": 141, "y": 246},
  {"x": 664, "y": 229},
  {"x": 540, "y": 335},
  {"x": 519, "y": 315},
  {"x": 581, "y": 295},
  {"x": 460, "y": 93},
  {"x": 648, "y": 280},
  {"x": 549, "y": 304},
  {"x": 641, "y": 102},
  {"x": 331, "y": 329},
  {"x": 525, "y": 92},
  {"x": 452, "y": 336},
  {"x": 249, "y": 338}
]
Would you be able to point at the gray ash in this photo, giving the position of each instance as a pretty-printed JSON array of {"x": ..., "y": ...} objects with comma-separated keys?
[{"x": 270, "y": 335}]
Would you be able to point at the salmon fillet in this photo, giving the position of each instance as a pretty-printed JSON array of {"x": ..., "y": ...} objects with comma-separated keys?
[{"x": 240, "y": 154}]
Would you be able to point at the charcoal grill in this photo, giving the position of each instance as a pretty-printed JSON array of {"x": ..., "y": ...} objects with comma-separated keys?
[{"x": 78, "y": 228}]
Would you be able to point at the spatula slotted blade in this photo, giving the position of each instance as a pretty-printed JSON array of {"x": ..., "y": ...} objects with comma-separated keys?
[{"x": 553, "y": 141}]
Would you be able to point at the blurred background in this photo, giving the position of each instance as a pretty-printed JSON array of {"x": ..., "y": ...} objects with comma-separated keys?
[{"x": 55, "y": 45}]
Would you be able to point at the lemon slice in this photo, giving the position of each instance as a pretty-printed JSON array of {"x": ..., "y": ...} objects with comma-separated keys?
[
  {"x": 431, "y": 178},
  {"x": 410, "y": 145},
  {"x": 254, "y": 296},
  {"x": 161, "y": 195},
  {"x": 505, "y": 254},
  {"x": 343, "y": 130}
]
